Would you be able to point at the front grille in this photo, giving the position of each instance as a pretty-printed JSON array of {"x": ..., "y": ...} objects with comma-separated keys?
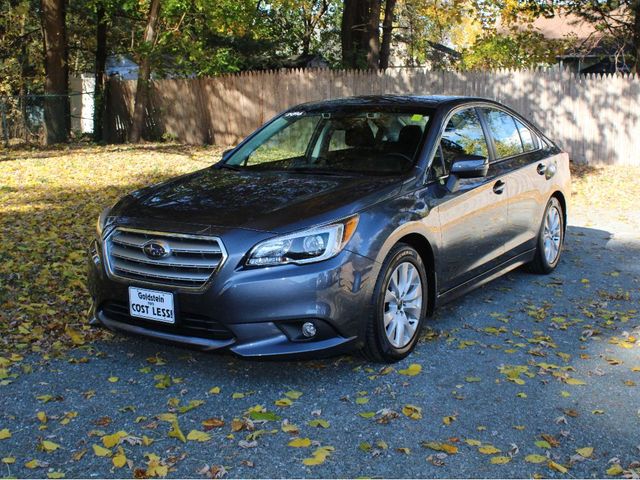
[
  {"x": 187, "y": 324},
  {"x": 191, "y": 261}
]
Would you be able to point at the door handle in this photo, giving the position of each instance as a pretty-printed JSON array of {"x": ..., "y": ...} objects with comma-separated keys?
[
  {"x": 498, "y": 187},
  {"x": 541, "y": 169}
]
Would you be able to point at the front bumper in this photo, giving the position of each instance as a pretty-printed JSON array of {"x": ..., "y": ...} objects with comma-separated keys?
[{"x": 252, "y": 312}]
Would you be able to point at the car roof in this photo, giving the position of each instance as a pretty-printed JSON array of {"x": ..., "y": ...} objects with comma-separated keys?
[{"x": 387, "y": 101}]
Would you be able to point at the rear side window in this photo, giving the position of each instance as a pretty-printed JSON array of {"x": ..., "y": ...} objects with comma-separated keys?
[
  {"x": 529, "y": 141},
  {"x": 462, "y": 135},
  {"x": 505, "y": 133}
]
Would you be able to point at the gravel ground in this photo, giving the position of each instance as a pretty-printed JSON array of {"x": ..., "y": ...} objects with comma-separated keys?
[{"x": 498, "y": 368}]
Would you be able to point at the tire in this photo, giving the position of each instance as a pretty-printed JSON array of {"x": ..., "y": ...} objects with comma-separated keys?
[
  {"x": 551, "y": 235},
  {"x": 391, "y": 304}
]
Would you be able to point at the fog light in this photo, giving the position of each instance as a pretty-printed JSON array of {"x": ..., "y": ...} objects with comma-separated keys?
[{"x": 308, "y": 329}]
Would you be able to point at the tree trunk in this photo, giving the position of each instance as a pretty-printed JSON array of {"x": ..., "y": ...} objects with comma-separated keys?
[
  {"x": 57, "y": 117},
  {"x": 101, "y": 60},
  {"x": 346, "y": 32},
  {"x": 373, "y": 35},
  {"x": 144, "y": 74},
  {"x": 635, "y": 9},
  {"x": 387, "y": 27},
  {"x": 356, "y": 18}
]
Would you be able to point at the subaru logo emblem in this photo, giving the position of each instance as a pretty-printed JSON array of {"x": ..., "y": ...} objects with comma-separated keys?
[{"x": 156, "y": 249}]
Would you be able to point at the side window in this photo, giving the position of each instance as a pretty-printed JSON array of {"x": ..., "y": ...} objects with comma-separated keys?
[
  {"x": 462, "y": 135},
  {"x": 289, "y": 143},
  {"x": 337, "y": 141},
  {"x": 528, "y": 140},
  {"x": 505, "y": 133}
]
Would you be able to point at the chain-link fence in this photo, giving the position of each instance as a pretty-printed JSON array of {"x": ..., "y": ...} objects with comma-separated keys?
[{"x": 22, "y": 117}]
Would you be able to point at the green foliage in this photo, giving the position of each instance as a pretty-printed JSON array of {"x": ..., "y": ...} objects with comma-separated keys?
[{"x": 519, "y": 49}]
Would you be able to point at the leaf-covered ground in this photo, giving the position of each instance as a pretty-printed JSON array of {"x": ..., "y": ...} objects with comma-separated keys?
[{"x": 527, "y": 376}]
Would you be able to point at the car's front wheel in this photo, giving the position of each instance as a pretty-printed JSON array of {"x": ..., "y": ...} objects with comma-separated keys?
[
  {"x": 550, "y": 239},
  {"x": 399, "y": 306}
]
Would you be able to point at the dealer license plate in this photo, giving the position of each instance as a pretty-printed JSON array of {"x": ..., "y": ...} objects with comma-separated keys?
[{"x": 151, "y": 305}]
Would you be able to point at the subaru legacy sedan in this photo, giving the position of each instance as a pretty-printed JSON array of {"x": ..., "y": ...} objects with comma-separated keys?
[{"x": 339, "y": 225}]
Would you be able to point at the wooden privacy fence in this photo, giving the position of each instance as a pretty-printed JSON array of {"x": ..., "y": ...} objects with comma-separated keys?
[{"x": 596, "y": 118}]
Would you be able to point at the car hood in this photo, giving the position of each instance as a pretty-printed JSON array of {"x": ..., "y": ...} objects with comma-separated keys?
[{"x": 265, "y": 201}]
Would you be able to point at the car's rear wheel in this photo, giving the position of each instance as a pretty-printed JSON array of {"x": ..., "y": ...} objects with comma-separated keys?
[
  {"x": 550, "y": 239},
  {"x": 399, "y": 306}
]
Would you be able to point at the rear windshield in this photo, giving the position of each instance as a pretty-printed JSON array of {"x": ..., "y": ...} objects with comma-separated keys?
[{"x": 366, "y": 142}]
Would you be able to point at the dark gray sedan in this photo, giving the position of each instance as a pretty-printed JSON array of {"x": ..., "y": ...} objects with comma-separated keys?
[{"x": 338, "y": 225}]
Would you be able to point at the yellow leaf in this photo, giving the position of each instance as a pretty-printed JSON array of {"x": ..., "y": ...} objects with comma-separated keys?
[
  {"x": 299, "y": 442},
  {"x": 146, "y": 441},
  {"x": 289, "y": 428},
  {"x": 119, "y": 460},
  {"x": 9, "y": 460},
  {"x": 556, "y": 466},
  {"x": 585, "y": 452},
  {"x": 319, "y": 422},
  {"x": 413, "y": 370},
  {"x": 113, "y": 379},
  {"x": 175, "y": 431},
  {"x": 5, "y": 433},
  {"x": 293, "y": 394},
  {"x": 574, "y": 381},
  {"x": 34, "y": 464},
  {"x": 42, "y": 417},
  {"x": 614, "y": 470},
  {"x": 111, "y": 441},
  {"x": 198, "y": 436},
  {"x": 100, "y": 451},
  {"x": 362, "y": 400},
  {"x": 75, "y": 336},
  {"x": 448, "y": 419},
  {"x": 283, "y": 402},
  {"x": 500, "y": 460},
  {"x": 488, "y": 449},
  {"x": 214, "y": 390},
  {"x": 472, "y": 442},
  {"x": 49, "y": 446},
  {"x": 55, "y": 474},
  {"x": 441, "y": 447},
  {"x": 413, "y": 412},
  {"x": 237, "y": 395},
  {"x": 535, "y": 458}
]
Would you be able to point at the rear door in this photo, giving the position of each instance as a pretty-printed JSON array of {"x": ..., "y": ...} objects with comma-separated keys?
[
  {"x": 522, "y": 160},
  {"x": 473, "y": 219}
]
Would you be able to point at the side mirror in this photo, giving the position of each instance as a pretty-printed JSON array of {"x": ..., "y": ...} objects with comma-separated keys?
[
  {"x": 227, "y": 153},
  {"x": 470, "y": 166}
]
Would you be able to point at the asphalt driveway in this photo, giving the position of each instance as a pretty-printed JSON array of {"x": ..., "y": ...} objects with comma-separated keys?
[{"x": 528, "y": 375}]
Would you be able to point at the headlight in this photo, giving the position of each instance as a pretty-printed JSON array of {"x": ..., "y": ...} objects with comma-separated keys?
[
  {"x": 102, "y": 221},
  {"x": 308, "y": 246}
]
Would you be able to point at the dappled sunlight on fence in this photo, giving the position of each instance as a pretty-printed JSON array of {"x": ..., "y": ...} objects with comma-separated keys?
[{"x": 596, "y": 118}]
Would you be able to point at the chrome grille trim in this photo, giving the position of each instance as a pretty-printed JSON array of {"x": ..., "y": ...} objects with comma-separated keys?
[{"x": 193, "y": 260}]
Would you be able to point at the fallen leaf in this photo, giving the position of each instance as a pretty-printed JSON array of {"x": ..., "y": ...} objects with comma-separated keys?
[
  {"x": 615, "y": 470},
  {"x": 556, "y": 466},
  {"x": 535, "y": 458},
  {"x": 412, "y": 370},
  {"x": 488, "y": 449},
  {"x": 413, "y": 412},
  {"x": 299, "y": 442},
  {"x": 4, "y": 434},
  {"x": 441, "y": 447},
  {"x": 49, "y": 446},
  {"x": 100, "y": 451},
  {"x": 198, "y": 436},
  {"x": 500, "y": 460},
  {"x": 585, "y": 452}
]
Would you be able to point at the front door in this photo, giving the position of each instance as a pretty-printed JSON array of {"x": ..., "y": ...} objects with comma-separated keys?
[{"x": 473, "y": 219}]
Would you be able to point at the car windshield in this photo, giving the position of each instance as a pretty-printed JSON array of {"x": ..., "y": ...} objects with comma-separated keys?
[{"x": 362, "y": 142}]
